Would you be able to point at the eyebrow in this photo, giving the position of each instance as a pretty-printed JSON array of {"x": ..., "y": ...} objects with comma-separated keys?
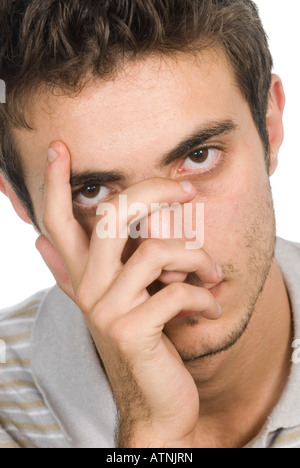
[
  {"x": 90, "y": 177},
  {"x": 199, "y": 137}
]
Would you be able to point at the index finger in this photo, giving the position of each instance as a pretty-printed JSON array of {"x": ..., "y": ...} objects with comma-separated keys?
[
  {"x": 105, "y": 254},
  {"x": 63, "y": 229}
]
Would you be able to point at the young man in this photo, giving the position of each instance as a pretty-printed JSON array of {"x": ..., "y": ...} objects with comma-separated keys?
[{"x": 145, "y": 342}]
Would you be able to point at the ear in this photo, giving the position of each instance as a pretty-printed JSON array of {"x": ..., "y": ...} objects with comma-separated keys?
[
  {"x": 274, "y": 120},
  {"x": 7, "y": 189}
]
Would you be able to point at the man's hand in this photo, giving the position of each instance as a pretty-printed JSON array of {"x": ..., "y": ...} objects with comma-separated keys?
[{"x": 156, "y": 396}]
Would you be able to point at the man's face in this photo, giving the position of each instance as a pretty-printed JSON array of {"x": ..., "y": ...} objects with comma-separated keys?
[{"x": 127, "y": 126}]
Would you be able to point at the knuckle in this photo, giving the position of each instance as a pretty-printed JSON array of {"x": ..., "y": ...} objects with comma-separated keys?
[
  {"x": 83, "y": 300},
  {"x": 151, "y": 248},
  {"x": 102, "y": 318},
  {"x": 176, "y": 291},
  {"x": 98, "y": 322},
  {"x": 158, "y": 184},
  {"x": 120, "y": 333}
]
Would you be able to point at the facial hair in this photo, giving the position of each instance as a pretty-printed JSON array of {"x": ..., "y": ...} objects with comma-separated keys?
[{"x": 258, "y": 239}]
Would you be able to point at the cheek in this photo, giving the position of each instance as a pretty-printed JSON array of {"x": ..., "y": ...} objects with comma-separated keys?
[{"x": 232, "y": 208}]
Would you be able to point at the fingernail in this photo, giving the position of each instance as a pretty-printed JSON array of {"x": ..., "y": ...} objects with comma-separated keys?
[
  {"x": 187, "y": 187},
  {"x": 219, "y": 271},
  {"x": 52, "y": 155},
  {"x": 220, "y": 309}
]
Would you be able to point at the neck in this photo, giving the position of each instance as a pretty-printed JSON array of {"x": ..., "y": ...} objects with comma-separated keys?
[{"x": 246, "y": 382}]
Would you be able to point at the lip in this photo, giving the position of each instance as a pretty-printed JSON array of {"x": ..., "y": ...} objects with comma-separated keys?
[{"x": 215, "y": 290}]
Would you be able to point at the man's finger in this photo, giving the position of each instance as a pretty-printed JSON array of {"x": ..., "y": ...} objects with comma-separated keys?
[
  {"x": 171, "y": 301},
  {"x": 105, "y": 253},
  {"x": 147, "y": 263},
  {"x": 175, "y": 302},
  {"x": 63, "y": 229}
]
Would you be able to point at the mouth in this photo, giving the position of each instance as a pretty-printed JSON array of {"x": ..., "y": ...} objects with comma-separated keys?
[
  {"x": 192, "y": 280},
  {"x": 213, "y": 289},
  {"x": 216, "y": 289}
]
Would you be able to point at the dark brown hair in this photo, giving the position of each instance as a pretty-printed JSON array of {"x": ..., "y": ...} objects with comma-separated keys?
[{"x": 59, "y": 43}]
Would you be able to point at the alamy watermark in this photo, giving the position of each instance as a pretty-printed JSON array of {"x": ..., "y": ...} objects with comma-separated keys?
[
  {"x": 296, "y": 353},
  {"x": 2, "y": 92},
  {"x": 163, "y": 221},
  {"x": 2, "y": 352}
]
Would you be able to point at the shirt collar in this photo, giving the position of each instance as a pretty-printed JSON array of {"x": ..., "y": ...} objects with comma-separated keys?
[
  {"x": 287, "y": 413},
  {"x": 67, "y": 372}
]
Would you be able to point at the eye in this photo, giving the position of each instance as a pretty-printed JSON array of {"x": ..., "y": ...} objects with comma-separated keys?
[
  {"x": 91, "y": 195},
  {"x": 202, "y": 159}
]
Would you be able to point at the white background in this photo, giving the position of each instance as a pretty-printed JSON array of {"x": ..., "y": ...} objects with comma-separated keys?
[{"x": 22, "y": 271}]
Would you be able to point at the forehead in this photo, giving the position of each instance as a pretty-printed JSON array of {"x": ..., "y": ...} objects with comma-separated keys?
[{"x": 146, "y": 110}]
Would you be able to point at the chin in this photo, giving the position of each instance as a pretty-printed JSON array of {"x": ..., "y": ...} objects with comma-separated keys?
[{"x": 196, "y": 338}]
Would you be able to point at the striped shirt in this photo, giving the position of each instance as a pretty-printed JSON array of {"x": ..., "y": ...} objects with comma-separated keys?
[
  {"x": 54, "y": 393},
  {"x": 25, "y": 420}
]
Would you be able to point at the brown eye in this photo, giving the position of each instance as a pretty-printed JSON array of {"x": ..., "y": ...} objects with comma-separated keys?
[
  {"x": 92, "y": 195},
  {"x": 91, "y": 191},
  {"x": 200, "y": 156},
  {"x": 202, "y": 159}
]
